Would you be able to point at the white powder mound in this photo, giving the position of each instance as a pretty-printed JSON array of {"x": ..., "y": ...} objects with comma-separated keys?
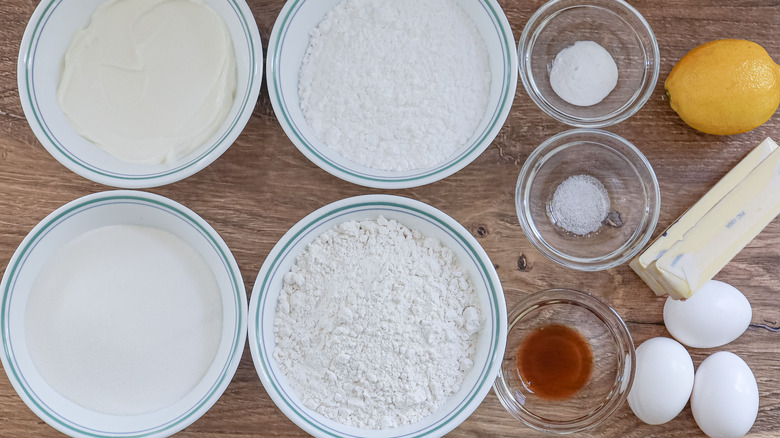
[
  {"x": 580, "y": 204},
  {"x": 395, "y": 84},
  {"x": 376, "y": 324},
  {"x": 583, "y": 74}
]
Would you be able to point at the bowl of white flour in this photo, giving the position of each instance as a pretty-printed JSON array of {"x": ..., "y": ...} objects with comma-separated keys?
[
  {"x": 123, "y": 314},
  {"x": 377, "y": 316},
  {"x": 139, "y": 94},
  {"x": 391, "y": 94}
]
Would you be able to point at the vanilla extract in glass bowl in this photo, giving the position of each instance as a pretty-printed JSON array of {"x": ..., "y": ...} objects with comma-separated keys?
[
  {"x": 554, "y": 362},
  {"x": 568, "y": 363}
]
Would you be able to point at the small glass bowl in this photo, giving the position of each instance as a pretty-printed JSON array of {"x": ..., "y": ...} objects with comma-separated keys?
[
  {"x": 635, "y": 198},
  {"x": 613, "y": 24},
  {"x": 613, "y": 362}
]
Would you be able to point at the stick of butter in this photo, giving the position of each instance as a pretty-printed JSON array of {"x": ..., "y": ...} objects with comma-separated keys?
[{"x": 707, "y": 236}]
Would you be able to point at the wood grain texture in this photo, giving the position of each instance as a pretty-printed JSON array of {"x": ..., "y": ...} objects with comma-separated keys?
[{"x": 262, "y": 186}]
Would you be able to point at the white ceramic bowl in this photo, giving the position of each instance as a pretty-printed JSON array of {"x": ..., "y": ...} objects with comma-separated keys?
[
  {"x": 430, "y": 222},
  {"x": 45, "y": 40},
  {"x": 74, "y": 219},
  {"x": 287, "y": 45}
]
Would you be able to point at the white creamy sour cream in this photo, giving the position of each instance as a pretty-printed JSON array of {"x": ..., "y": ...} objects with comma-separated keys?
[{"x": 149, "y": 80}]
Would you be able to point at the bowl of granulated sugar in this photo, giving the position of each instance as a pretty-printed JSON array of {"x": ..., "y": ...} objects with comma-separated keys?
[
  {"x": 123, "y": 315},
  {"x": 587, "y": 199},
  {"x": 377, "y": 316},
  {"x": 391, "y": 94}
]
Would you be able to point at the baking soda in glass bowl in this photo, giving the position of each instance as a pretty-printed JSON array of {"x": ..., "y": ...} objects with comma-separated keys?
[
  {"x": 626, "y": 40},
  {"x": 583, "y": 74}
]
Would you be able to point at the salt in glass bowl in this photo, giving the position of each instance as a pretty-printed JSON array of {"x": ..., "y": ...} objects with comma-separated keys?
[
  {"x": 635, "y": 198},
  {"x": 489, "y": 346},
  {"x": 613, "y": 24},
  {"x": 287, "y": 46},
  {"x": 41, "y": 54},
  {"x": 613, "y": 362}
]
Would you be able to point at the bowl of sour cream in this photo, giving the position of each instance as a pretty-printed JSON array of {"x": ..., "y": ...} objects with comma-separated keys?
[
  {"x": 137, "y": 94},
  {"x": 588, "y": 64}
]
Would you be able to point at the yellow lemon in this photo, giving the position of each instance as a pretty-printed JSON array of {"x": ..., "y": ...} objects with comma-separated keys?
[{"x": 725, "y": 87}]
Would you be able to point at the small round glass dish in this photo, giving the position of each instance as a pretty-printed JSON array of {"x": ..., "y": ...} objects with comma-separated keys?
[
  {"x": 613, "y": 362},
  {"x": 614, "y": 25},
  {"x": 627, "y": 177}
]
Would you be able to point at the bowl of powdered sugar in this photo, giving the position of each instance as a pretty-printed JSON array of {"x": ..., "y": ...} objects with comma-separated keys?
[
  {"x": 123, "y": 315},
  {"x": 587, "y": 199},
  {"x": 391, "y": 94},
  {"x": 377, "y": 316}
]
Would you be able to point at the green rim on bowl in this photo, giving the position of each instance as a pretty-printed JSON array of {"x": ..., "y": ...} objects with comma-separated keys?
[
  {"x": 28, "y": 93},
  {"x": 264, "y": 297},
  {"x": 70, "y": 212},
  {"x": 312, "y": 147}
]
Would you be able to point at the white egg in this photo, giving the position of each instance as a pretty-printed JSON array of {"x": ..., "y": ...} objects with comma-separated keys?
[
  {"x": 715, "y": 315},
  {"x": 725, "y": 396},
  {"x": 662, "y": 381}
]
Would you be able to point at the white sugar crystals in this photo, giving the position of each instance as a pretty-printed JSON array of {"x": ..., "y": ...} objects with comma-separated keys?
[
  {"x": 580, "y": 204},
  {"x": 124, "y": 320}
]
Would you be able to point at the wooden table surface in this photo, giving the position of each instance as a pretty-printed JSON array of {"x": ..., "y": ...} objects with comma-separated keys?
[{"x": 262, "y": 186}]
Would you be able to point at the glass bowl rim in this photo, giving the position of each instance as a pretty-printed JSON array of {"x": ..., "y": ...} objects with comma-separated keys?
[
  {"x": 538, "y": 158},
  {"x": 539, "y": 20},
  {"x": 620, "y": 335}
]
